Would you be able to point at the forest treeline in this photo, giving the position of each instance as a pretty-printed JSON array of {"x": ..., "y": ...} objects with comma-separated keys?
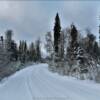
[
  {"x": 68, "y": 51},
  {"x": 71, "y": 53}
]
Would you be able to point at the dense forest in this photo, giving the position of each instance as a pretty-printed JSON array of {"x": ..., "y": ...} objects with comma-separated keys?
[
  {"x": 72, "y": 53},
  {"x": 68, "y": 52},
  {"x": 14, "y": 57}
]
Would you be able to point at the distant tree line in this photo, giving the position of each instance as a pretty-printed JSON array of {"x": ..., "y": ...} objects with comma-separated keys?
[{"x": 21, "y": 52}]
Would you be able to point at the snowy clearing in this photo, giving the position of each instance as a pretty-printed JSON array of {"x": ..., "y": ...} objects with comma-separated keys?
[{"x": 37, "y": 83}]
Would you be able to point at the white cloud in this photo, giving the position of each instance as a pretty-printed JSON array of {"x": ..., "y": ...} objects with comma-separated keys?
[
  {"x": 25, "y": 18},
  {"x": 31, "y": 19}
]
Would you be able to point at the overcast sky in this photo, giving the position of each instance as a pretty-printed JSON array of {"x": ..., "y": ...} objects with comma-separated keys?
[{"x": 32, "y": 19}]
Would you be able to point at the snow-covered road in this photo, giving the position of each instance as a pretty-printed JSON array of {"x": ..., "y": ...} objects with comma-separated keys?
[{"x": 37, "y": 83}]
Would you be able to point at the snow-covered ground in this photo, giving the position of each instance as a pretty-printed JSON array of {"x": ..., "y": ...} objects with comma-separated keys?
[{"x": 37, "y": 83}]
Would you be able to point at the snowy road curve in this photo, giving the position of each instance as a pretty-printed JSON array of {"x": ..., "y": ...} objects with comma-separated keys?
[{"x": 37, "y": 83}]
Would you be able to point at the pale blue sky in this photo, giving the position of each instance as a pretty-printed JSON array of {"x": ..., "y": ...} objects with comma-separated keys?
[{"x": 31, "y": 19}]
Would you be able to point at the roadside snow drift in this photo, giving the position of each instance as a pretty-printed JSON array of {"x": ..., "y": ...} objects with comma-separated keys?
[{"x": 37, "y": 83}]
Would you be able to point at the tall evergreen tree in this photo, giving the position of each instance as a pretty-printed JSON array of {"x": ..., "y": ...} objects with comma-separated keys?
[
  {"x": 57, "y": 29},
  {"x": 20, "y": 51},
  {"x": 23, "y": 49},
  {"x": 91, "y": 40},
  {"x": 10, "y": 45},
  {"x": 8, "y": 39},
  {"x": 74, "y": 44},
  {"x": 96, "y": 52},
  {"x": 74, "y": 34},
  {"x": 25, "y": 46},
  {"x": 32, "y": 52},
  {"x": 38, "y": 50},
  {"x": 14, "y": 54}
]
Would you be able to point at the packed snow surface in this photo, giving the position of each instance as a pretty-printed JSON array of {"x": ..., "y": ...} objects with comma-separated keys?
[{"x": 36, "y": 82}]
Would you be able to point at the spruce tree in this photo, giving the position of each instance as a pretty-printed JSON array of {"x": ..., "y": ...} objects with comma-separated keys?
[
  {"x": 73, "y": 35},
  {"x": 32, "y": 52},
  {"x": 91, "y": 39},
  {"x": 14, "y": 54},
  {"x": 25, "y": 46},
  {"x": 74, "y": 44},
  {"x": 24, "y": 51},
  {"x": 57, "y": 29},
  {"x": 38, "y": 50},
  {"x": 96, "y": 53},
  {"x": 20, "y": 51}
]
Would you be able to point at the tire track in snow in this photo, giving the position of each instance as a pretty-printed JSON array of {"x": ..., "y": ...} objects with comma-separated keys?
[
  {"x": 42, "y": 81},
  {"x": 56, "y": 89},
  {"x": 29, "y": 87},
  {"x": 61, "y": 90},
  {"x": 36, "y": 89},
  {"x": 38, "y": 79}
]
